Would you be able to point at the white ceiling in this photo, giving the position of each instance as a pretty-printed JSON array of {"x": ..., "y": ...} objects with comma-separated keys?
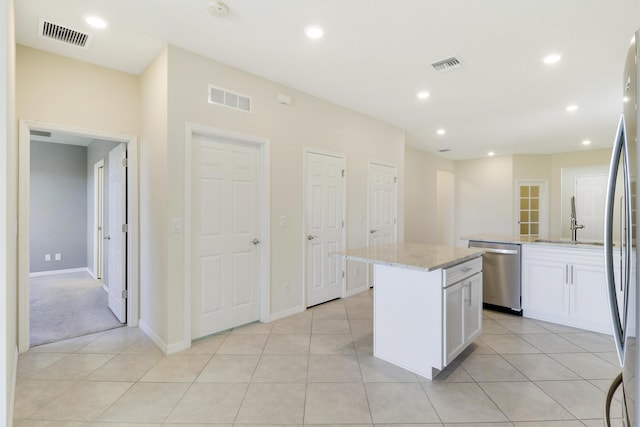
[{"x": 377, "y": 54}]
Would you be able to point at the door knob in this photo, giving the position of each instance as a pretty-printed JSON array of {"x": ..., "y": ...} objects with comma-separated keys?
[
  {"x": 373, "y": 231},
  {"x": 255, "y": 242},
  {"x": 310, "y": 237}
]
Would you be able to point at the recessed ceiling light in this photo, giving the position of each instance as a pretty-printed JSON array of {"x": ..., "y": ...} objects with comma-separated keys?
[
  {"x": 314, "y": 31},
  {"x": 552, "y": 59},
  {"x": 586, "y": 142},
  {"x": 441, "y": 131},
  {"x": 491, "y": 154},
  {"x": 422, "y": 94},
  {"x": 571, "y": 108},
  {"x": 96, "y": 22}
]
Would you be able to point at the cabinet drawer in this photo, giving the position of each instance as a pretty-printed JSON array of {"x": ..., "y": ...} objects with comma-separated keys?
[{"x": 461, "y": 271}]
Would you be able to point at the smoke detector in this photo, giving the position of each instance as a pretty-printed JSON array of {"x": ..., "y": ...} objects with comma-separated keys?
[{"x": 218, "y": 9}]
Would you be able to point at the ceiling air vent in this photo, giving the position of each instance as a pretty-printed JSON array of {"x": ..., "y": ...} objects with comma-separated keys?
[
  {"x": 49, "y": 30},
  {"x": 447, "y": 64},
  {"x": 226, "y": 98}
]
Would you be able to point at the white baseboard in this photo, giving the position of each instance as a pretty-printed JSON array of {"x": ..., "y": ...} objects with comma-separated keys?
[
  {"x": 144, "y": 327},
  {"x": 285, "y": 313},
  {"x": 12, "y": 392},
  {"x": 358, "y": 290},
  {"x": 66, "y": 271},
  {"x": 177, "y": 347}
]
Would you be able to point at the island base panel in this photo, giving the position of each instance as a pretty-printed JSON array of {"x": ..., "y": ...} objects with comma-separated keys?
[{"x": 408, "y": 319}]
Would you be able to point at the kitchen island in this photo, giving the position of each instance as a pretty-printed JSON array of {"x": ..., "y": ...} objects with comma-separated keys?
[{"x": 427, "y": 303}]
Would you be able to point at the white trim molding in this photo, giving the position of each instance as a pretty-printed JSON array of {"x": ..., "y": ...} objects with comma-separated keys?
[{"x": 65, "y": 271}]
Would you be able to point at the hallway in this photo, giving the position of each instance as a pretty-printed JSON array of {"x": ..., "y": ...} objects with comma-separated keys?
[{"x": 64, "y": 306}]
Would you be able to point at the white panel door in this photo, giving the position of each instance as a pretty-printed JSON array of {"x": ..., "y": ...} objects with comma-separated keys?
[
  {"x": 324, "y": 227},
  {"x": 590, "y": 192},
  {"x": 225, "y": 235},
  {"x": 117, "y": 235},
  {"x": 382, "y": 207},
  {"x": 382, "y": 204}
]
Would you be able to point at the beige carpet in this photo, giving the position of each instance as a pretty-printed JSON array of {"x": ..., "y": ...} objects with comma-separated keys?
[{"x": 67, "y": 305}]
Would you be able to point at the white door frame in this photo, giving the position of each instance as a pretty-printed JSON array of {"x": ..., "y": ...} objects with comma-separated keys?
[
  {"x": 342, "y": 156},
  {"x": 98, "y": 220},
  {"x": 263, "y": 144},
  {"x": 24, "y": 158}
]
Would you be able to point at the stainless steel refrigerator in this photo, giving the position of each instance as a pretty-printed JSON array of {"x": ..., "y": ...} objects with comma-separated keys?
[{"x": 621, "y": 255}]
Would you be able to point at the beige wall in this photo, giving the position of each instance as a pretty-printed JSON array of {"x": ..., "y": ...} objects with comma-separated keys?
[
  {"x": 156, "y": 105},
  {"x": 153, "y": 200},
  {"x": 308, "y": 122},
  {"x": 64, "y": 91},
  {"x": 8, "y": 212},
  {"x": 485, "y": 199},
  {"x": 421, "y": 193},
  {"x": 484, "y": 196}
]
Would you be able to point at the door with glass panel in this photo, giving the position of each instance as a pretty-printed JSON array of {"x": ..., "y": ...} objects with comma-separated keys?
[{"x": 532, "y": 211}]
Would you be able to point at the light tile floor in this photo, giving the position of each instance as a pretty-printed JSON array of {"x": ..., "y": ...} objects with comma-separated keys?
[{"x": 317, "y": 368}]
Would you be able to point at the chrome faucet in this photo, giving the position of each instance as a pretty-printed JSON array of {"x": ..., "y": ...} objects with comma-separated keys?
[{"x": 574, "y": 222}]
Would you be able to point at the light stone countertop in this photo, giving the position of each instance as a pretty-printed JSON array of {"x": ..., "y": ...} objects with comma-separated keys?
[
  {"x": 411, "y": 256},
  {"x": 538, "y": 241}
]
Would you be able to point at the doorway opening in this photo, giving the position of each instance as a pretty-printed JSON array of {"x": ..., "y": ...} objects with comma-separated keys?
[{"x": 72, "y": 191}]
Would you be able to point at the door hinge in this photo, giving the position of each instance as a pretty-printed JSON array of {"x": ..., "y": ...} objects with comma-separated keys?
[
  {"x": 343, "y": 274},
  {"x": 343, "y": 173},
  {"x": 125, "y": 228},
  {"x": 395, "y": 179},
  {"x": 343, "y": 223},
  {"x": 124, "y": 162},
  {"x": 124, "y": 293}
]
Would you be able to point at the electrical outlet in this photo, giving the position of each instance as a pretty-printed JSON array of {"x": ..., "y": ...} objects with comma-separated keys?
[
  {"x": 58, "y": 257},
  {"x": 47, "y": 257},
  {"x": 283, "y": 221}
]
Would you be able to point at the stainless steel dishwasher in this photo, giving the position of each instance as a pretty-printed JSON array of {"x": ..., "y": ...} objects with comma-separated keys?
[{"x": 500, "y": 275}]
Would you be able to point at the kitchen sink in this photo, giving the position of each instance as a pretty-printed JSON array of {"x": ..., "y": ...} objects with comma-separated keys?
[{"x": 570, "y": 242}]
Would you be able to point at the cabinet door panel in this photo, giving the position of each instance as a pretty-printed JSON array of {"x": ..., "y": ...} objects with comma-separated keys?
[
  {"x": 589, "y": 299},
  {"x": 544, "y": 287},
  {"x": 473, "y": 308},
  {"x": 454, "y": 321}
]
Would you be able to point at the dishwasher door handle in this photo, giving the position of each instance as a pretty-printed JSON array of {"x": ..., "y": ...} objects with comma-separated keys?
[{"x": 498, "y": 251}]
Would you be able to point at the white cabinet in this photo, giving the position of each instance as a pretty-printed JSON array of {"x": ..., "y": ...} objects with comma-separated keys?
[
  {"x": 566, "y": 286},
  {"x": 423, "y": 319},
  {"x": 463, "y": 315}
]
